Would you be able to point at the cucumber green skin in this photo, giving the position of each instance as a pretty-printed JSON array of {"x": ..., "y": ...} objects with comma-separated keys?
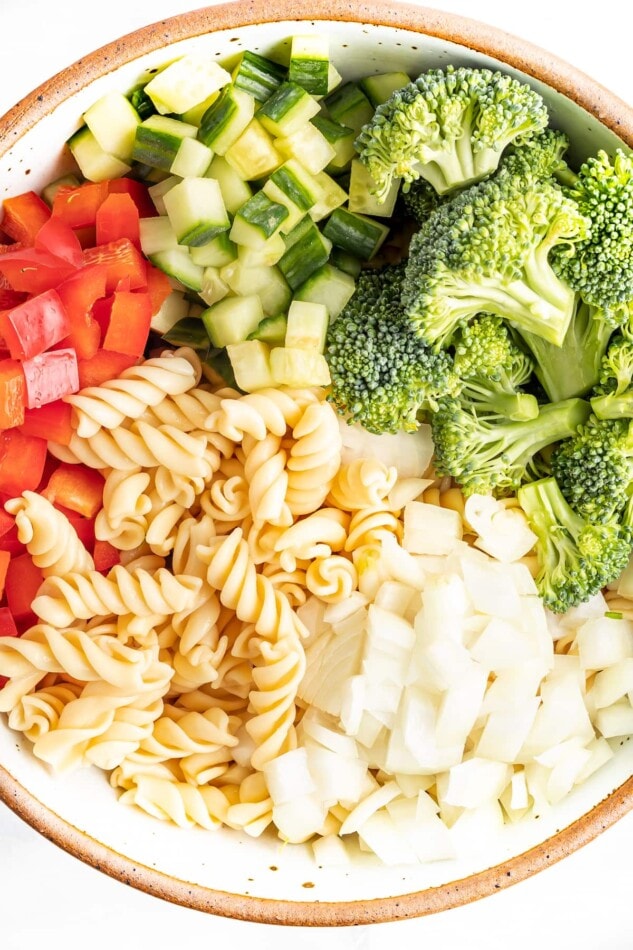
[
  {"x": 303, "y": 257},
  {"x": 190, "y": 331},
  {"x": 327, "y": 285},
  {"x": 348, "y": 263},
  {"x": 258, "y": 76},
  {"x": 271, "y": 330},
  {"x": 332, "y": 131},
  {"x": 283, "y": 100},
  {"x": 217, "y": 117},
  {"x": 292, "y": 188},
  {"x": 157, "y": 149},
  {"x": 202, "y": 234},
  {"x": 262, "y": 213},
  {"x": 354, "y": 234},
  {"x": 349, "y": 106},
  {"x": 312, "y": 74},
  {"x": 305, "y": 226}
]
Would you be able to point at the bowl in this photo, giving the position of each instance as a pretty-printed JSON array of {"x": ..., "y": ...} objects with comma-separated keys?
[{"x": 228, "y": 873}]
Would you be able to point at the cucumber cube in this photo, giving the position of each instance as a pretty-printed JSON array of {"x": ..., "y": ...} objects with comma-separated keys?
[
  {"x": 158, "y": 191},
  {"x": 340, "y": 138},
  {"x": 223, "y": 123},
  {"x": 235, "y": 190},
  {"x": 190, "y": 331},
  {"x": 94, "y": 163},
  {"x": 250, "y": 361},
  {"x": 254, "y": 155},
  {"x": 257, "y": 220},
  {"x": 196, "y": 210},
  {"x": 350, "y": 106},
  {"x": 309, "y": 146},
  {"x": 176, "y": 263},
  {"x": 304, "y": 255},
  {"x": 355, "y": 233},
  {"x": 331, "y": 196},
  {"x": 379, "y": 88},
  {"x": 287, "y": 110},
  {"x": 192, "y": 159},
  {"x": 173, "y": 309},
  {"x": 213, "y": 287},
  {"x": 232, "y": 319},
  {"x": 271, "y": 330},
  {"x": 330, "y": 286},
  {"x": 309, "y": 63},
  {"x": 112, "y": 119},
  {"x": 298, "y": 368},
  {"x": 307, "y": 326},
  {"x": 267, "y": 253},
  {"x": 186, "y": 82},
  {"x": 156, "y": 234},
  {"x": 258, "y": 75},
  {"x": 158, "y": 140},
  {"x": 218, "y": 252},
  {"x": 267, "y": 282}
]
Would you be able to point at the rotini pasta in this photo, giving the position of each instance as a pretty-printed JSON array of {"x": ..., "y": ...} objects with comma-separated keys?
[
  {"x": 48, "y": 535},
  {"x": 363, "y": 483}
]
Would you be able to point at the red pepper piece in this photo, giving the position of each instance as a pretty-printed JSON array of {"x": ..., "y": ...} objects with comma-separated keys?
[
  {"x": 79, "y": 294},
  {"x": 138, "y": 193},
  {"x": 12, "y": 394},
  {"x": 105, "y": 556},
  {"x": 118, "y": 218},
  {"x": 35, "y": 325},
  {"x": 77, "y": 207},
  {"x": 76, "y": 488},
  {"x": 104, "y": 365},
  {"x": 129, "y": 324},
  {"x": 31, "y": 270},
  {"x": 51, "y": 422},
  {"x": 22, "y": 584},
  {"x": 122, "y": 260},
  {"x": 22, "y": 459},
  {"x": 57, "y": 238},
  {"x": 49, "y": 376},
  {"x": 7, "y": 629},
  {"x": 23, "y": 217},
  {"x": 158, "y": 287}
]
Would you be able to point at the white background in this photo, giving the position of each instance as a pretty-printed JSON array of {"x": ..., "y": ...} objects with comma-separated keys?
[{"x": 584, "y": 902}]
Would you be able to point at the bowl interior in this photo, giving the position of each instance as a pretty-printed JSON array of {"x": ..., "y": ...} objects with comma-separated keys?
[{"x": 241, "y": 869}]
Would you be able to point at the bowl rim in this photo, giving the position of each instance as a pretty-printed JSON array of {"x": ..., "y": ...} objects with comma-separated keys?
[{"x": 534, "y": 61}]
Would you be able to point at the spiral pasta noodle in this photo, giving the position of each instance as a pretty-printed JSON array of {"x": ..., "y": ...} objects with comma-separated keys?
[
  {"x": 315, "y": 457},
  {"x": 363, "y": 483},
  {"x": 48, "y": 535}
]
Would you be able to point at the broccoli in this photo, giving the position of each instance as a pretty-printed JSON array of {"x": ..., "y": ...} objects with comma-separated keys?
[
  {"x": 541, "y": 155},
  {"x": 594, "y": 468},
  {"x": 420, "y": 200},
  {"x": 487, "y": 249},
  {"x": 448, "y": 126},
  {"x": 573, "y": 368},
  {"x": 576, "y": 558},
  {"x": 485, "y": 452},
  {"x": 383, "y": 376},
  {"x": 600, "y": 266},
  {"x": 613, "y": 395},
  {"x": 492, "y": 368}
]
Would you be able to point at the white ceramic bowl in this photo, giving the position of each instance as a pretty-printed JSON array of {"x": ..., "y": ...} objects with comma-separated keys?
[{"x": 226, "y": 872}]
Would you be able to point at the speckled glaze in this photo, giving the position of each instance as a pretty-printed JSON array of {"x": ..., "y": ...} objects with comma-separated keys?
[{"x": 37, "y": 798}]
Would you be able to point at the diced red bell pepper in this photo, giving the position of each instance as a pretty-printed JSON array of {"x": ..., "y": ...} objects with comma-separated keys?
[
  {"x": 10, "y": 298},
  {"x": 57, "y": 238},
  {"x": 104, "y": 365},
  {"x": 129, "y": 323},
  {"x": 138, "y": 193},
  {"x": 105, "y": 556},
  {"x": 7, "y": 629},
  {"x": 35, "y": 325},
  {"x": 51, "y": 422},
  {"x": 85, "y": 527},
  {"x": 49, "y": 376},
  {"x": 118, "y": 218},
  {"x": 158, "y": 287},
  {"x": 5, "y": 558},
  {"x": 77, "y": 488},
  {"x": 22, "y": 459},
  {"x": 79, "y": 294},
  {"x": 122, "y": 260},
  {"x": 22, "y": 584},
  {"x": 23, "y": 217},
  {"x": 7, "y": 521},
  {"x": 12, "y": 394},
  {"x": 11, "y": 543},
  {"x": 31, "y": 270},
  {"x": 77, "y": 207}
]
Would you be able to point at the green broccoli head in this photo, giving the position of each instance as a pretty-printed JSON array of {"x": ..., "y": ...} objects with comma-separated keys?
[
  {"x": 613, "y": 395},
  {"x": 448, "y": 126},
  {"x": 485, "y": 347},
  {"x": 541, "y": 155},
  {"x": 576, "y": 558},
  {"x": 383, "y": 375},
  {"x": 485, "y": 451},
  {"x": 594, "y": 468},
  {"x": 487, "y": 250},
  {"x": 420, "y": 199},
  {"x": 600, "y": 266}
]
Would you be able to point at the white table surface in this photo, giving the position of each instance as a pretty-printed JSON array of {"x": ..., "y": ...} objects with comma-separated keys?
[{"x": 585, "y": 901}]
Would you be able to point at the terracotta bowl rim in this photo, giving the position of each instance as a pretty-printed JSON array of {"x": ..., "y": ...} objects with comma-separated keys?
[{"x": 534, "y": 61}]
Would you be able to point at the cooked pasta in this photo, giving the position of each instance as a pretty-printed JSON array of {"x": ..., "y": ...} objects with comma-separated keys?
[
  {"x": 363, "y": 483},
  {"x": 48, "y": 535}
]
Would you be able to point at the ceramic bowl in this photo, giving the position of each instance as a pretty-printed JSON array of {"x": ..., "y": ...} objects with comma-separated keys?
[{"x": 227, "y": 873}]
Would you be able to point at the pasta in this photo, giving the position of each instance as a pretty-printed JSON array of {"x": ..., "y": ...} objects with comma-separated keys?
[{"x": 48, "y": 535}]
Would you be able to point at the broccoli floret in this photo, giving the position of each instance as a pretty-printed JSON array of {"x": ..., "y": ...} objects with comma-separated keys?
[
  {"x": 541, "y": 155},
  {"x": 600, "y": 266},
  {"x": 487, "y": 250},
  {"x": 594, "y": 468},
  {"x": 448, "y": 126},
  {"x": 613, "y": 395},
  {"x": 420, "y": 200},
  {"x": 486, "y": 452},
  {"x": 383, "y": 375},
  {"x": 576, "y": 558},
  {"x": 573, "y": 368}
]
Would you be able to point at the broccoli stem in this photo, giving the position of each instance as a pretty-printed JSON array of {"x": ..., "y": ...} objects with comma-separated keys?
[
  {"x": 554, "y": 422},
  {"x": 611, "y": 406},
  {"x": 547, "y": 509}
]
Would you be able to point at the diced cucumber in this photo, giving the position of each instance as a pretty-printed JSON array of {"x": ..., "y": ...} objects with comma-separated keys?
[
  {"x": 307, "y": 326},
  {"x": 287, "y": 110},
  {"x": 156, "y": 234},
  {"x": 267, "y": 282},
  {"x": 250, "y": 362},
  {"x": 177, "y": 263},
  {"x": 362, "y": 189},
  {"x": 216, "y": 253},
  {"x": 213, "y": 287},
  {"x": 258, "y": 76},
  {"x": 192, "y": 159},
  {"x": 223, "y": 123},
  {"x": 340, "y": 138},
  {"x": 173, "y": 309},
  {"x": 194, "y": 115},
  {"x": 333, "y": 78},
  {"x": 142, "y": 103},
  {"x": 345, "y": 261},
  {"x": 257, "y": 220},
  {"x": 190, "y": 331},
  {"x": 158, "y": 140},
  {"x": 235, "y": 190},
  {"x": 267, "y": 253},
  {"x": 304, "y": 256},
  {"x": 355, "y": 233},
  {"x": 94, "y": 164},
  {"x": 295, "y": 214},
  {"x": 186, "y": 82},
  {"x": 271, "y": 330},
  {"x": 305, "y": 226},
  {"x": 350, "y": 106},
  {"x": 298, "y": 368},
  {"x": 309, "y": 63},
  {"x": 254, "y": 155},
  {"x": 217, "y": 370},
  {"x": 158, "y": 191},
  {"x": 112, "y": 119},
  {"x": 330, "y": 286},
  {"x": 196, "y": 210},
  {"x": 232, "y": 319},
  {"x": 379, "y": 88},
  {"x": 309, "y": 146},
  {"x": 49, "y": 191},
  {"x": 332, "y": 196}
]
